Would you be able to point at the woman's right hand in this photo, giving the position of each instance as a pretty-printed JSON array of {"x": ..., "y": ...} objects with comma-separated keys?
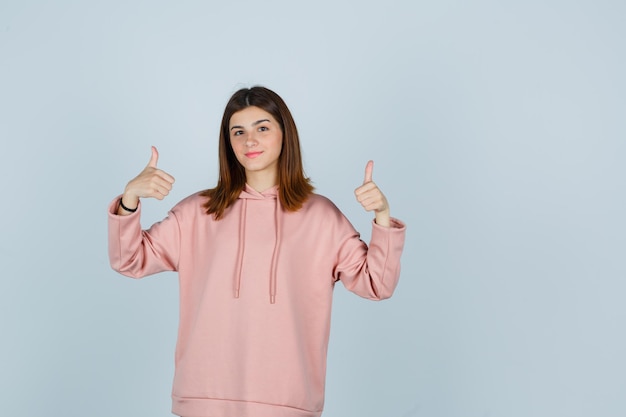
[{"x": 151, "y": 182}]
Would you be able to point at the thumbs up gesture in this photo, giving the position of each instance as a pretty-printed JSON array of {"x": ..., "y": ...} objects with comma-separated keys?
[
  {"x": 372, "y": 199},
  {"x": 151, "y": 182}
]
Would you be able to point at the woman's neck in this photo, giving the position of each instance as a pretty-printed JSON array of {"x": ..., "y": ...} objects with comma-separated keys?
[{"x": 261, "y": 181}]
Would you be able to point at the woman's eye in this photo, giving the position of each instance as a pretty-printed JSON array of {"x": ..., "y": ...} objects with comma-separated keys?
[
  {"x": 263, "y": 128},
  {"x": 238, "y": 133}
]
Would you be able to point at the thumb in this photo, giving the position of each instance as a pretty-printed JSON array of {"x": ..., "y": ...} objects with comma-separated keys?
[
  {"x": 154, "y": 158},
  {"x": 369, "y": 168}
]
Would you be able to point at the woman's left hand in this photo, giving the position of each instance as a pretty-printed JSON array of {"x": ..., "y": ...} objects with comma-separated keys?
[{"x": 372, "y": 199}]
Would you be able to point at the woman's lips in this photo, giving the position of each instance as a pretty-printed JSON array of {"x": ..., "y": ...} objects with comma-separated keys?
[{"x": 253, "y": 154}]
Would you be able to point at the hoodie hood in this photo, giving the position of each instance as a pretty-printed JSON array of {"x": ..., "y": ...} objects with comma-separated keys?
[{"x": 247, "y": 195}]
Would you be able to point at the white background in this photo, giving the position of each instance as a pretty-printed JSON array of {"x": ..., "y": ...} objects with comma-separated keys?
[{"x": 498, "y": 130}]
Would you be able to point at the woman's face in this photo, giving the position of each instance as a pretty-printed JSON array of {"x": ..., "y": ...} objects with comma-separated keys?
[{"x": 256, "y": 139}]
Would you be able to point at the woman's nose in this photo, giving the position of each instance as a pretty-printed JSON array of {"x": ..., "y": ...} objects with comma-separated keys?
[{"x": 251, "y": 140}]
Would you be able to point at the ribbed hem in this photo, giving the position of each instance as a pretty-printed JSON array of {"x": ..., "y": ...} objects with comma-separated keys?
[{"x": 210, "y": 407}]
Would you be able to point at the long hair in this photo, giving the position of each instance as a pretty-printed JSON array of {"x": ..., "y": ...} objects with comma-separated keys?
[{"x": 293, "y": 186}]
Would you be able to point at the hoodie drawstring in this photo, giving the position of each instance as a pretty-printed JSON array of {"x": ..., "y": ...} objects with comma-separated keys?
[
  {"x": 274, "y": 266},
  {"x": 242, "y": 244},
  {"x": 240, "y": 250}
]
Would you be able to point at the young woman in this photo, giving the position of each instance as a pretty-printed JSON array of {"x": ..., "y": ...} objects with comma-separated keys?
[{"x": 257, "y": 257}]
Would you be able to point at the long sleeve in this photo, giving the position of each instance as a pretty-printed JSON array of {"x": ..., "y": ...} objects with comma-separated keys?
[
  {"x": 372, "y": 272},
  {"x": 137, "y": 253}
]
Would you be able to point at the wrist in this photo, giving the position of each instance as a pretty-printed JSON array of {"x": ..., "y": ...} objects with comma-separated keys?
[
  {"x": 383, "y": 218},
  {"x": 129, "y": 203}
]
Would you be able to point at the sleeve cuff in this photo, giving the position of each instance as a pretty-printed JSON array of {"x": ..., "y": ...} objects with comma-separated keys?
[
  {"x": 393, "y": 224},
  {"x": 115, "y": 205}
]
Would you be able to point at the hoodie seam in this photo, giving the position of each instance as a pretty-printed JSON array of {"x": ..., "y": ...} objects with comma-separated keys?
[
  {"x": 180, "y": 240},
  {"x": 245, "y": 401},
  {"x": 382, "y": 278},
  {"x": 119, "y": 234}
]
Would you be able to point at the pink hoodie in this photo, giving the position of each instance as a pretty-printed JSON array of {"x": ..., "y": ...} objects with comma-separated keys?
[{"x": 255, "y": 296}]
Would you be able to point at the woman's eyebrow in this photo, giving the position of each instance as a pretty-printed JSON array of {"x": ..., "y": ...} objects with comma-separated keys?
[
  {"x": 253, "y": 124},
  {"x": 260, "y": 121}
]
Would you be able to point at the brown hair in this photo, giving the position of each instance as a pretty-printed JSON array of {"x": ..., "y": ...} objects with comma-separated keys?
[{"x": 293, "y": 186}]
